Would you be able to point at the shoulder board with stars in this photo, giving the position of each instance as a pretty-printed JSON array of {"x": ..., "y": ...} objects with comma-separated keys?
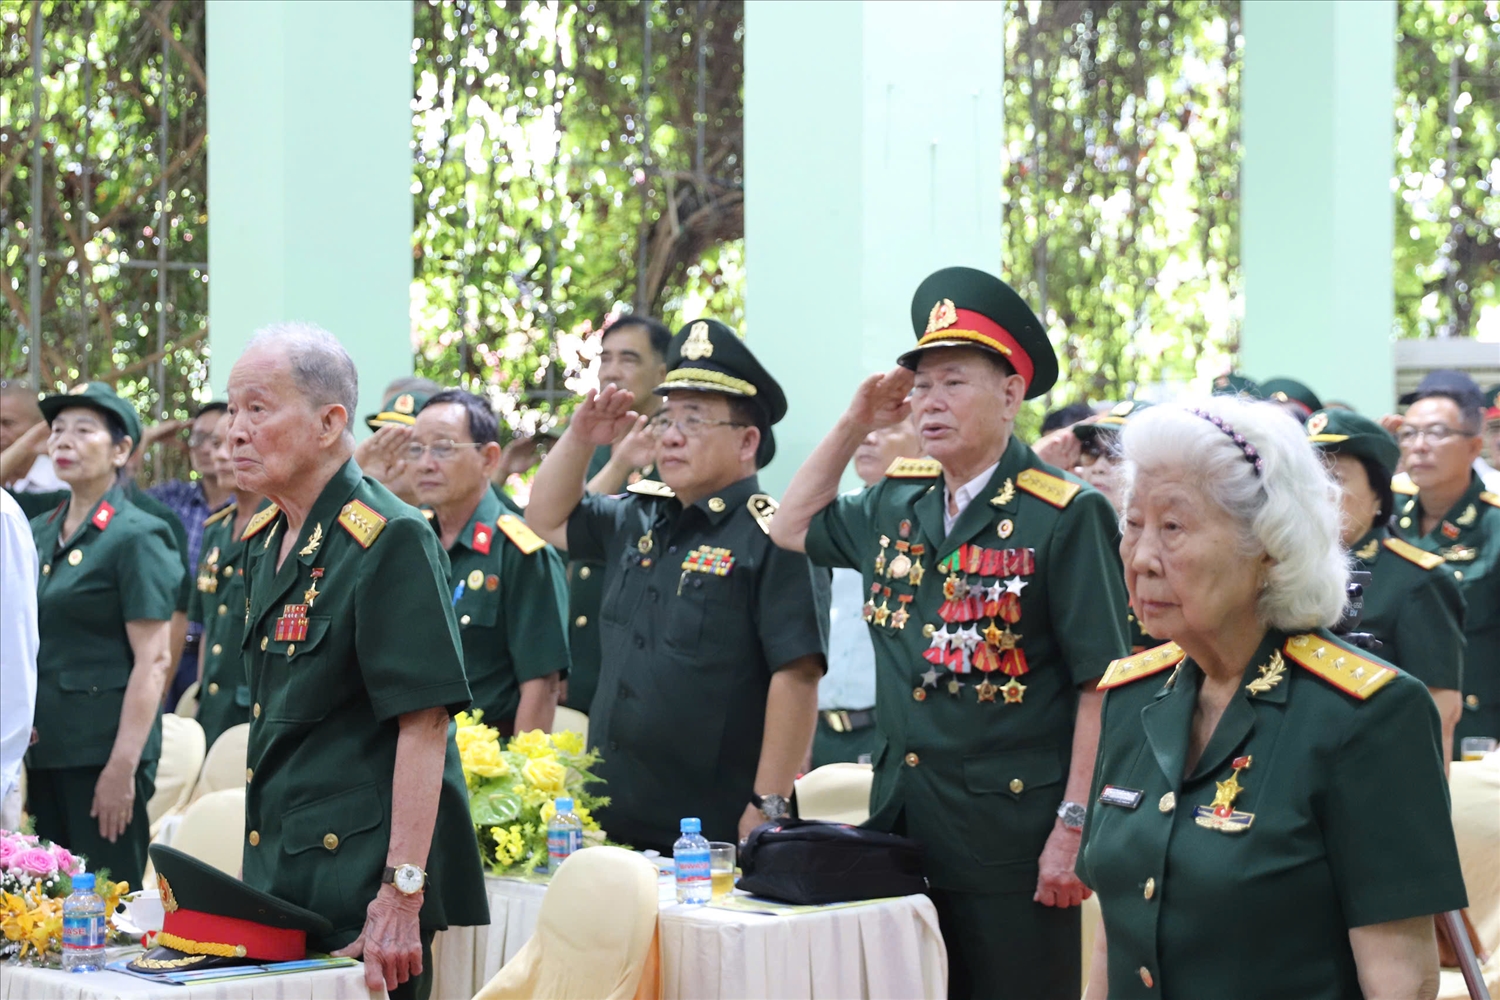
[
  {"x": 1493, "y": 499},
  {"x": 227, "y": 511},
  {"x": 1345, "y": 669},
  {"x": 762, "y": 508},
  {"x": 1133, "y": 668},
  {"x": 1058, "y": 492},
  {"x": 914, "y": 468},
  {"x": 650, "y": 488},
  {"x": 362, "y": 522},
  {"x": 1409, "y": 552},
  {"x": 1402, "y": 484},
  {"x": 259, "y": 521},
  {"x": 520, "y": 534}
]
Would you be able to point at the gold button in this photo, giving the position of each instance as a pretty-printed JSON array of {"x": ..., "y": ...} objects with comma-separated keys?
[
  {"x": 928, "y": 630},
  {"x": 1406, "y": 522},
  {"x": 716, "y": 505},
  {"x": 1150, "y": 889},
  {"x": 264, "y": 642},
  {"x": 1458, "y": 574},
  {"x": 919, "y": 694},
  {"x": 213, "y": 687},
  {"x": 912, "y": 760},
  {"x": 1017, "y": 785},
  {"x": 255, "y": 710},
  {"x": 217, "y": 649},
  {"x": 254, "y": 838},
  {"x": 330, "y": 841},
  {"x": 47, "y": 570},
  {"x": 249, "y": 773},
  {"x": 228, "y": 571},
  {"x": 1146, "y": 979},
  {"x": 223, "y": 609},
  {"x": 291, "y": 649},
  {"x": 1472, "y": 700},
  {"x": 584, "y": 572},
  {"x": 1168, "y": 802},
  {"x": 581, "y": 620},
  {"x": 464, "y": 620}
]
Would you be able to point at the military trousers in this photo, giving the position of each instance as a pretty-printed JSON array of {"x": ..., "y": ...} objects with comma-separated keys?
[
  {"x": 1003, "y": 946},
  {"x": 59, "y": 800},
  {"x": 830, "y": 747}
]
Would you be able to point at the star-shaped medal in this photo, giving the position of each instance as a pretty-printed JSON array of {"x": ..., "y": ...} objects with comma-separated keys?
[
  {"x": 1014, "y": 692},
  {"x": 882, "y": 613},
  {"x": 993, "y": 634},
  {"x": 899, "y": 617},
  {"x": 914, "y": 575},
  {"x": 310, "y": 594},
  {"x": 955, "y": 686},
  {"x": 993, "y": 591},
  {"x": 930, "y": 677},
  {"x": 1015, "y": 585},
  {"x": 986, "y": 690}
]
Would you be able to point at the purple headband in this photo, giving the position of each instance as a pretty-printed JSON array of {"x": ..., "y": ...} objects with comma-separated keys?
[{"x": 1251, "y": 455}]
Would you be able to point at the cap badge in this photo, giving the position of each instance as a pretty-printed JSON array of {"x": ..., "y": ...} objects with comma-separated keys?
[
  {"x": 79, "y": 389},
  {"x": 168, "y": 901},
  {"x": 1316, "y": 424},
  {"x": 404, "y": 403},
  {"x": 1123, "y": 409},
  {"x": 943, "y": 315},
  {"x": 698, "y": 345}
]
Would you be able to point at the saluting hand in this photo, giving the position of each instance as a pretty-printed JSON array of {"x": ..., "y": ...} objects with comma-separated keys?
[
  {"x": 604, "y": 416},
  {"x": 391, "y": 942},
  {"x": 1056, "y": 882},
  {"x": 1060, "y": 448},
  {"x": 382, "y": 456},
  {"x": 880, "y": 401}
]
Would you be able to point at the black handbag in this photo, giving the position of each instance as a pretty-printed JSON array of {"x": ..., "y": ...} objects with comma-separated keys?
[{"x": 808, "y": 861}]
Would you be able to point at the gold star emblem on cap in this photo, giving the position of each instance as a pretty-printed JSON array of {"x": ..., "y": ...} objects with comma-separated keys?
[
  {"x": 1317, "y": 422},
  {"x": 404, "y": 403},
  {"x": 942, "y": 316}
]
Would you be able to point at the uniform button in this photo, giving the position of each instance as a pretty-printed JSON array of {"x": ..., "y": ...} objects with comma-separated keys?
[
  {"x": 1406, "y": 522},
  {"x": 330, "y": 841},
  {"x": 928, "y": 630},
  {"x": 919, "y": 694},
  {"x": 255, "y": 710},
  {"x": 1146, "y": 979},
  {"x": 1472, "y": 700},
  {"x": 1458, "y": 574},
  {"x": 291, "y": 649},
  {"x": 249, "y": 773},
  {"x": 254, "y": 838},
  {"x": 223, "y": 609},
  {"x": 217, "y": 649},
  {"x": 584, "y": 572},
  {"x": 213, "y": 687},
  {"x": 1150, "y": 889},
  {"x": 264, "y": 642},
  {"x": 1017, "y": 785},
  {"x": 1168, "y": 802},
  {"x": 47, "y": 570},
  {"x": 581, "y": 621},
  {"x": 464, "y": 620},
  {"x": 912, "y": 760}
]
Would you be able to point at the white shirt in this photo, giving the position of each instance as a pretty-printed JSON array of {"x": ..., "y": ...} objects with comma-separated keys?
[
  {"x": 40, "y": 478},
  {"x": 967, "y": 492},
  {"x": 1488, "y": 475},
  {"x": 18, "y": 639},
  {"x": 850, "y": 681}
]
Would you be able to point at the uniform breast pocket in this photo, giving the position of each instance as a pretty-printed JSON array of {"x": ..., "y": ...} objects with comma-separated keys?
[
  {"x": 478, "y": 609},
  {"x": 95, "y": 695},
  {"x": 304, "y": 674},
  {"x": 622, "y": 591},
  {"x": 708, "y": 612},
  {"x": 1012, "y": 803},
  {"x": 334, "y": 853}
]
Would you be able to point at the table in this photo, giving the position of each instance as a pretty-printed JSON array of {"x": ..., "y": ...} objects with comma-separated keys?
[
  {"x": 888, "y": 948},
  {"x": 20, "y": 982}
]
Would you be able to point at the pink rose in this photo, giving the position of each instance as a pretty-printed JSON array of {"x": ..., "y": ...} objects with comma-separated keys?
[
  {"x": 9, "y": 848},
  {"x": 67, "y": 861},
  {"x": 37, "y": 861}
]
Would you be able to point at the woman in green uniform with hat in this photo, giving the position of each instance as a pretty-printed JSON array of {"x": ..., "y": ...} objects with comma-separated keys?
[
  {"x": 1412, "y": 604},
  {"x": 109, "y": 582}
]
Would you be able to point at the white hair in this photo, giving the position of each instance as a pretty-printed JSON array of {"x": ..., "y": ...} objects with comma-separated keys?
[
  {"x": 1289, "y": 509},
  {"x": 321, "y": 367}
]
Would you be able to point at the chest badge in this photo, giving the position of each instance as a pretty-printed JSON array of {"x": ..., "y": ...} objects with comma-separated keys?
[
  {"x": 475, "y": 579},
  {"x": 643, "y": 546},
  {"x": 1221, "y": 814},
  {"x": 1005, "y": 528},
  {"x": 1271, "y": 674},
  {"x": 75, "y": 557},
  {"x": 1125, "y": 798},
  {"x": 492, "y": 583},
  {"x": 292, "y": 625},
  {"x": 313, "y": 541}
]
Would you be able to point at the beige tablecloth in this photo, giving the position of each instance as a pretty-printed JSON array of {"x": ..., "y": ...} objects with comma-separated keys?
[
  {"x": 23, "y": 983},
  {"x": 890, "y": 948}
]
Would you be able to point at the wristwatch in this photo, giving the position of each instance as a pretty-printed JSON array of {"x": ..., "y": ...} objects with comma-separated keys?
[
  {"x": 772, "y": 807},
  {"x": 1072, "y": 815},
  {"x": 408, "y": 879}
]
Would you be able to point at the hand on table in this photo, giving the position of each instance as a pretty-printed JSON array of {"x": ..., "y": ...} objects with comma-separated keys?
[
  {"x": 114, "y": 800},
  {"x": 391, "y": 942},
  {"x": 604, "y": 416},
  {"x": 1056, "y": 883},
  {"x": 1060, "y": 448}
]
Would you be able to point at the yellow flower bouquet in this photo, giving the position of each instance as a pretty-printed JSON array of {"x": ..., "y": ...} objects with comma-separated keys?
[
  {"x": 35, "y": 877},
  {"x": 512, "y": 788}
]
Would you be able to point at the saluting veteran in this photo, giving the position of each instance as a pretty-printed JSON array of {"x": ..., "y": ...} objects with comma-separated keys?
[
  {"x": 995, "y": 601},
  {"x": 354, "y": 786},
  {"x": 713, "y": 639},
  {"x": 1269, "y": 814}
]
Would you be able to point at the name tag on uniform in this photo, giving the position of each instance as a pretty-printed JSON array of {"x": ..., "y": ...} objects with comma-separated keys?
[{"x": 1125, "y": 798}]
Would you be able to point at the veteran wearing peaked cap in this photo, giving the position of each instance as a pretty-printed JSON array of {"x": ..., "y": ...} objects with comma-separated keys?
[
  {"x": 994, "y": 602},
  {"x": 713, "y": 639}
]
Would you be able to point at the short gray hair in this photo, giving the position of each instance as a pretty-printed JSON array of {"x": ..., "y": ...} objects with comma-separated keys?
[
  {"x": 1290, "y": 509},
  {"x": 323, "y": 370}
]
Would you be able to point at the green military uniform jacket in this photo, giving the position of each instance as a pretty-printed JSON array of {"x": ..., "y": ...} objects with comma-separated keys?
[
  {"x": 1318, "y": 804},
  {"x": 150, "y": 505},
  {"x": 1469, "y": 539},
  {"x": 354, "y": 630},
  {"x": 1414, "y": 607},
  {"x": 218, "y": 604},
  {"x": 977, "y": 759},
  {"x": 509, "y": 593},
  {"x": 699, "y": 610},
  {"x": 120, "y": 566}
]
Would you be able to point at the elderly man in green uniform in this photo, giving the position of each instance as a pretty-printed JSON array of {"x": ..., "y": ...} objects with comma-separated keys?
[
  {"x": 1444, "y": 508},
  {"x": 507, "y": 584},
  {"x": 714, "y": 639},
  {"x": 355, "y": 805},
  {"x": 996, "y": 599}
]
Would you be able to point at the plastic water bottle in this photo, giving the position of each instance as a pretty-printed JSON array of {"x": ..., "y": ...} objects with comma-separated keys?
[
  {"x": 690, "y": 854},
  {"x": 83, "y": 927},
  {"x": 564, "y": 834}
]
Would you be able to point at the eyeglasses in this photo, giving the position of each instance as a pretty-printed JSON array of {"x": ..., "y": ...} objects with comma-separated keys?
[
  {"x": 687, "y": 426},
  {"x": 441, "y": 450},
  {"x": 1436, "y": 433}
]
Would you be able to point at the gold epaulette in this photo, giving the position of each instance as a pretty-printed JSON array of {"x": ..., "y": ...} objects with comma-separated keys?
[
  {"x": 1343, "y": 668},
  {"x": 762, "y": 508},
  {"x": 259, "y": 521},
  {"x": 520, "y": 534},
  {"x": 1401, "y": 483},
  {"x": 362, "y": 522},
  {"x": 1409, "y": 552},
  {"x": 1058, "y": 492},
  {"x": 914, "y": 468},
  {"x": 227, "y": 511},
  {"x": 1133, "y": 668},
  {"x": 650, "y": 488},
  {"x": 1493, "y": 499}
]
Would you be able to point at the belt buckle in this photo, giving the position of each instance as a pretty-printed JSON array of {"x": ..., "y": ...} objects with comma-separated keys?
[{"x": 845, "y": 722}]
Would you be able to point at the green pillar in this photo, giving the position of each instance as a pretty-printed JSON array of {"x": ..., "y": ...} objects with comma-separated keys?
[
  {"x": 309, "y": 178},
  {"x": 872, "y": 158},
  {"x": 1316, "y": 209}
]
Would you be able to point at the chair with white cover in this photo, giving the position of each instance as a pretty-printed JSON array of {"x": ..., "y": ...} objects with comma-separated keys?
[
  {"x": 224, "y": 767},
  {"x": 182, "y": 752},
  {"x": 1474, "y": 787},
  {"x": 187, "y": 703},
  {"x": 837, "y": 793},
  {"x": 213, "y": 829},
  {"x": 571, "y": 719},
  {"x": 595, "y": 935}
]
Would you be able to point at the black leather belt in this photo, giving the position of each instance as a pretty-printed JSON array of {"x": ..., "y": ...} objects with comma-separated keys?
[{"x": 842, "y": 721}]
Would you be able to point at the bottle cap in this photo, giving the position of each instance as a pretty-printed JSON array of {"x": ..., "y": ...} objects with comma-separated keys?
[
  {"x": 692, "y": 824},
  {"x": 83, "y": 881},
  {"x": 564, "y": 805}
]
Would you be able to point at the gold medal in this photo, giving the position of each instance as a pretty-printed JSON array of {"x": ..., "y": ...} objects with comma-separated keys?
[
  {"x": 644, "y": 545},
  {"x": 476, "y": 579},
  {"x": 75, "y": 557},
  {"x": 900, "y": 566},
  {"x": 1005, "y": 528}
]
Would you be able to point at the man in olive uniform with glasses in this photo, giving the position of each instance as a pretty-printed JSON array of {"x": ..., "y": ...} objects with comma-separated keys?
[{"x": 713, "y": 639}]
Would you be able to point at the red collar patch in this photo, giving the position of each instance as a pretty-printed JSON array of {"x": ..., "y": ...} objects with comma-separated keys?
[
  {"x": 103, "y": 516},
  {"x": 482, "y": 538}
]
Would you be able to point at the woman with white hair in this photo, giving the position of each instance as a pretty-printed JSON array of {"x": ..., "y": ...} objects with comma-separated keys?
[{"x": 1269, "y": 814}]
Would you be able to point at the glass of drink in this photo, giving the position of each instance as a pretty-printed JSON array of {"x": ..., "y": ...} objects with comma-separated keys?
[
  {"x": 721, "y": 867},
  {"x": 1475, "y": 747}
]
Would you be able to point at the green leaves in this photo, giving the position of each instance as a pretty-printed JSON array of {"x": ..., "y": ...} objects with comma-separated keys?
[{"x": 491, "y": 805}]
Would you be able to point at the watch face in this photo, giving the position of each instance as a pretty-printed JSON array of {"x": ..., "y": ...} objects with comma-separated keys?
[{"x": 409, "y": 879}]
